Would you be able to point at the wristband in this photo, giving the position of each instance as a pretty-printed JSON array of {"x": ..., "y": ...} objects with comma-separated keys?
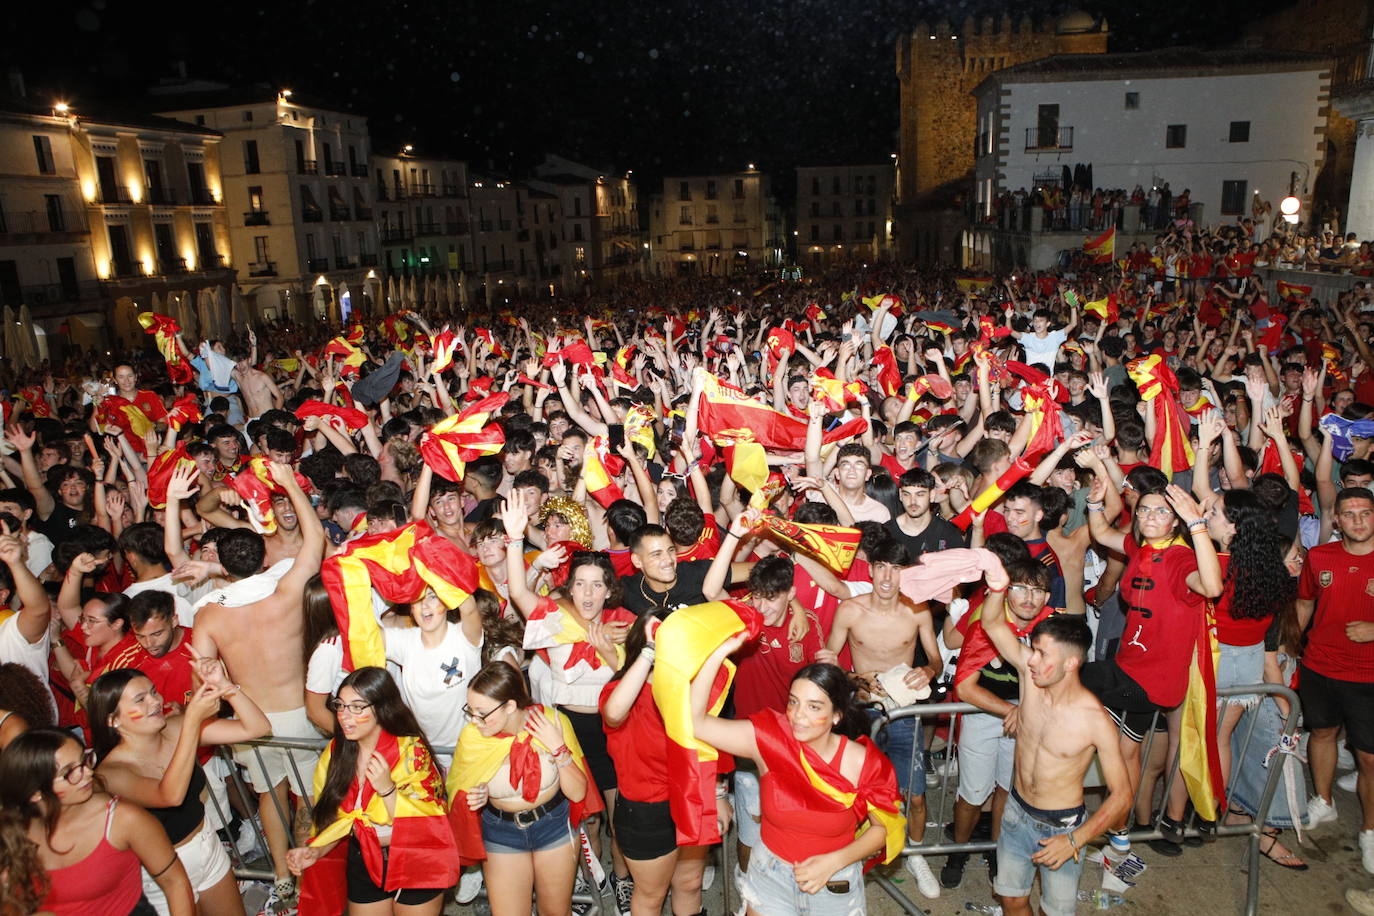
[
  {"x": 647, "y": 652},
  {"x": 510, "y": 540},
  {"x": 1074, "y": 843},
  {"x": 1197, "y": 524},
  {"x": 385, "y": 794},
  {"x": 997, "y": 591}
]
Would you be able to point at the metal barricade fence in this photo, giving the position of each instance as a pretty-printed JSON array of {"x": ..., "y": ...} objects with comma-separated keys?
[
  {"x": 301, "y": 785},
  {"x": 939, "y": 810}
]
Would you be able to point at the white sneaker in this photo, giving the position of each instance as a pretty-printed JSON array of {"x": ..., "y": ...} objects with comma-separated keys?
[
  {"x": 1360, "y": 901},
  {"x": 1344, "y": 759},
  {"x": 925, "y": 878},
  {"x": 1367, "y": 850},
  {"x": 1320, "y": 811},
  {"x": 1348, "y": 782},
  {"x": 469, "y": 885},
  {"x": 247, "y": 842}
]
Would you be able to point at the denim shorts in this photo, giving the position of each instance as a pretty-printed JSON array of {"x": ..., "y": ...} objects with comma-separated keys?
[
  {"x": 1241, "y": 666},
  {"x": 548, "y": 832},
  {"x": 1023, "y": 828},
  {"x": 770, "y": 887},
  {"x": 748, "y": 811},
  {"x": 901, "y": 740}
]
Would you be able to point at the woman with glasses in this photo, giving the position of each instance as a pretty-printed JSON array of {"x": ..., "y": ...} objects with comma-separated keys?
[
  {"x": 520, "y": 787},
  {"x": 98, "y": 629},
  {"x": 381, "y": 843},
  {"x": 149, "y": 758},
  {"x": 91, "y": 846},
  {"x": 1171, "y": 571}
]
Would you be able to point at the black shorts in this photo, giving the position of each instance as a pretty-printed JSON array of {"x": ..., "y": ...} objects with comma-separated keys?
[
  {"x": 592, "y": 737},
  {"x": 362, "y": 890},
  {"x": 1329, "y": 703},
  {"x": 645, "y": 830},
  {"x": 1124, "y": 699}
]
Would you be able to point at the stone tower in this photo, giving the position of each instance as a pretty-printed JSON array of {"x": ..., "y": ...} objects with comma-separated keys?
[{"x": 937, "y": 68}]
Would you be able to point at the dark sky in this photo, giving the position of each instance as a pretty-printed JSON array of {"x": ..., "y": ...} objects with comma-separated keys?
[{"x": 652, "y": 85}]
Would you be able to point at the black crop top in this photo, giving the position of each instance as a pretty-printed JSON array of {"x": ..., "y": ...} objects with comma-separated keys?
[{"x": 183, "y": 819}]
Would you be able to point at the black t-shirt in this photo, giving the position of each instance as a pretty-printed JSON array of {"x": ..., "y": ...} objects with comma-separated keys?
[
  {"x": 641, "y": 598},
  {"x": 940, "y": 534},
  {"x": 58, "y": 526},
  {"x": 484, "y": 510}
]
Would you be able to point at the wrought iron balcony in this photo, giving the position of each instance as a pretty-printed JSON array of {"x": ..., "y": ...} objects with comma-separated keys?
[
  {"x": 256, "y": 218},
  {"x": 1049, "y": 139}
]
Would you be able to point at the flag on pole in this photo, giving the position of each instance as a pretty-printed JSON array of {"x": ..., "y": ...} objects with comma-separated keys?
[{"x": 1102, "y": 248}]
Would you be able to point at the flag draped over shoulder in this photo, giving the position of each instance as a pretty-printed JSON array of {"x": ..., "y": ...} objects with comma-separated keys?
[
  {"x": 807, "y": 782},
  {"x": 450, "y": 444},
  {"x": 1199, "y": 759},
  {"x": 400, "y": 565},
  {"x": 725, "y": 409},
  {"x": 1170, "y": 451},
  {"x": 685, "y": 640},
  {"x": 833, "y": 545},
  {"x": 477, "y": 758},
  {"x": 165, "y": 329},
  {"x": 1101, "y": 248},
  {"x": 599, "y": 468},
  {"x": 423, "y": 848}
]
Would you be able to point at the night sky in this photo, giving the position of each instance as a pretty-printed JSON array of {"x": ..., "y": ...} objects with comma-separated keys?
[{"x": 666, "y": 86}]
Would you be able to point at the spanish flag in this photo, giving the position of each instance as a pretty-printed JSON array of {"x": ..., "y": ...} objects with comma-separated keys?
[
  {"x": 124, "y": 416},
  {"x": 833, "y": 393},
  {"x": 1046, "y": 429},
  {"x": 255, "y": 484},
  {"x": 639, "y": 428},
  {"x": 745, "y": 460},
  {"x": 779, "y": 340},
  {"x": 550, "y": 624},
  {"x": 165, "y": 330},
  {"x": 937, "y": 385},
  {"x": 1171, "y": 451},
  {"x": 772, "y": 488},
  {"x": 442, "y": 347},
  {"x": 423, "y": 850},
  {"x": 1102, "y": 248},
  {"x": 972, "y": 284},
  {"x": 1105, "y": 308},
  {"x": 352, "y": 357},
  {"x": 348, "y": 417},
  {"x": 160, "y": 474},
  {"x": 355, "y": 333},
  {"x": 37, "y": 400},
  {"x": 814, "y": 314},
  {"x": 577, "y": 353},
  {"x": 185, "y": 409},
  {"x": 685, "y": 639},
  {"x": 598, "y": 470},
  {"x": 889, "y": 377},
  {"x": 477, "y": 758},
  {"x": 1199, "y": 760},
  {"x": 811, "y": 783},
  {"x": 725, "y": 410},
  {"x": 450, "y": 444},
  {"x": 833, "y": 545},
  {"x": 1288, "y": 290},
  {"x": 395, "y": 329},
  {"x": 989, "y": 497},
  {"x": 892, "y": 301}
]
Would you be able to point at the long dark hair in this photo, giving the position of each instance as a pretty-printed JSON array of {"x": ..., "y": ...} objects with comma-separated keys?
[
  {"x": 23, "y": 883},
  {"x": 1259, "y": 581},
  {"x": 101, "y": 706},
  {"x": 835, "y": 682},
  {"x": 636, "y": 638},
  {"x": 319, "y": 616},
  {"x": 28, "y": 767},
  {"x": 393, "y": 716}
]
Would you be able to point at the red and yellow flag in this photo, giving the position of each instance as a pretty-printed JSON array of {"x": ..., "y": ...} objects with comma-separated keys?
[
  {"x": 724, "y": 410},
  {"x": 1170, "y": 452},
  {"x": 1105, "y": 308},
  {"x": 891, "y": 300},
  {"x": 37, "y": 399},
  {"x": 185, "y": 409},
  {"x": 1102, "y": 248},
  {"x": 1288, "y": 290},
  {"x": 450, "y": 444},
  {"x": 487, "y": 337},
  {"x": 442, "y": 348},
  {"x": 745, "y": 460},
  {"x": 937, "y": 385},
  {"x": 972, "y": 284},
  {"x": 127, "y": 418},
  {"x": 1046, "y": 430},
  {"x": 639, "y": 428},
  {"x": 888, "y": 376},
  {"x": 160, "y": 474},
  {"x": 577, "y": 353},
  {"x": 995, "y": 491},
  {"x": 165, "y": 329},
  {"x": 598, "y": 469},
  {"x": 685, "y": 640},
  {"x": 1199, "y": 759},
  {"x": 344, "y": 349},
  {"x": 255, "y": 484},
  {"x": 833, "y": 393},
  {"x": 833, "y": 545},
  {"x": 348, "y": 417}
]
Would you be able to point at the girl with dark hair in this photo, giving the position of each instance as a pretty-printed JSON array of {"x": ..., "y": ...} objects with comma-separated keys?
[
  {"x": 574, "y": 632},
  {"x": 98, "y": 628},
  {"x": 24, "y": 702},
  {"x": 377, "y": 786},
  {"x": 150, "y": 759},
  {"x": 520, "y": 766},
  {"x": 813, "y": 842},
  {"x": 324, "y": 656},
  {"x": 90, "y": 845},
  {"x": 23, "y": 883}
]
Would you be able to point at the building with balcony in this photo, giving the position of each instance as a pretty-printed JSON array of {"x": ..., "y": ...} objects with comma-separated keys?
[
  {"x": 503, "y": 258},
  {"x": 601, "y": 239},
  {"x": 845, "y": 213},
  {"x": 299, "y": 193},
  {"x": 1200, "y": 122},
  {"x": 423, "y": 214},
  {"x": 715, "y": 225},
  {"x": 102, "y": 211}
]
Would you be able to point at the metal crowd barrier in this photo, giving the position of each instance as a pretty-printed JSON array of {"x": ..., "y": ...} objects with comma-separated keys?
[
  {"x": 301, "y": 785},
  {"x": 940, "y": 810}
]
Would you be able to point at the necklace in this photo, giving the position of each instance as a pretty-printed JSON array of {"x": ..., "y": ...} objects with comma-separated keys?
[{"x": 645, "y": 590}]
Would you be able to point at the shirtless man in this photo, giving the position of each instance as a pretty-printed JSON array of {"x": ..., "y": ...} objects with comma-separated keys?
[
  {"x": 285, "y": 543},
  {"x": 260, "y": 393},
  {"x": 261, "y": 644},
  {"x": 885, "y": 629},
  {"x": 1059, "y": 725},
  {"x": 440, "y": 502}
]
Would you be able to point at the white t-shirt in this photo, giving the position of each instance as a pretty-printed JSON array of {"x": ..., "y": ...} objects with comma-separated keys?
[
  {"x": 325, "y": 672},
  {"x": 15, "y": 648},
  {"x": 870, "y": 510},
  {"x": 40, "y": 553},
  {"x": 178, "y": 591},
  {"x": 1042, "y": 350},
  {"x": 434, "y": 682}
]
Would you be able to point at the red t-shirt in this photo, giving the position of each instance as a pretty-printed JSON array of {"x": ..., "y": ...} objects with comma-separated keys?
[
  {"x": 822, "y": 605},
  {"x": 170, "y": 674},
  {"x": 1161, "y": 619},
  {"x": 768, "y": 664},
  {"x": 1230, "y": 630},
  {"x": 639, "y": 748},
  {"x": 893, "y": 467},
  {"x": 621, "y": 562},
  {"x": 706, "y": 547},
  {"x": 1342, "y": 584}
]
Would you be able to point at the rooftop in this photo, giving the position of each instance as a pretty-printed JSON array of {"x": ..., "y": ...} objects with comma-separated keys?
[
  {"x": 1182, "y": 61},
  {"x": 104, "y": 114}
]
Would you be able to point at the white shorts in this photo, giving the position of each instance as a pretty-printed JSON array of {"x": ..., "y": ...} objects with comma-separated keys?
[
  {"x": 205, "y": 861},
  {"x": 269, "y": 767},
  {"x": 986, "y": 757}
]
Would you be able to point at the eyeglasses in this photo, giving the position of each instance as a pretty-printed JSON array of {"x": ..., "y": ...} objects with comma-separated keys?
[
  {"x": 73, "y": 773},
  {"x": 1026, "y": 591},
  {"x": 92, "y": 621},
  {"x": 1156, "y": 511},
  {"x": 481, "y": 716},
  {"x": 336, "y": 706}
]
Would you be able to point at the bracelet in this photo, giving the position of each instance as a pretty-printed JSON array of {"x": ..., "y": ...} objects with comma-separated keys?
[
  {"x": 1197, "y": 524},
  {"x": 647, "y": 652},
  {"x": 566, "y": 761},
  {"x": 510, "y": 540},
  {"x": 1095, "y": 507},
  {"x": 1074, "y": 843},
  {"x": 385, "y": 794},
  {"x": 997, "y": 591}
]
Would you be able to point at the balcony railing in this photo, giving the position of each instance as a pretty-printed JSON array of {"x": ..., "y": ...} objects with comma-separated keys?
[
  {"x": 308, "y": 167},
  {"x": 454, "y": 227},
  {"x": 451, "y": 190},
  {"x": 358, "y": 169},
  {"x": 200, "y": 197},
  {"x": 339, "y": 214},
  {"x": 116, "y": 194},
  {"x": 498, "y": 266},
  {"x": 391, "y": 234},
  {"x": 211, "y": 261},
  {"x": 344, "y": 263},
  {"x": 335, "y": 168},
  {"x": 50, "y": 294},
  {"x": 428, "y": 228},
  {"x": 422, "y": 190},
  {"x": 256, "y": 218},
  {"x": 126, "y": 270},
  {"x": 312, "y": 216},
  {"x": 317, "y": 265},
  {"x": 263, "y": 269},
  {"x": 1049, "y": 139},
  {"x": 162, "y": 197},
  {"x": 39, "y": 222},
  {"x": 367, "y": 260},
  {"x": 166, "y": 266}
]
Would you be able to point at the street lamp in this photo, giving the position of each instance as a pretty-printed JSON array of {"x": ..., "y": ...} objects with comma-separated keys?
[{"x": 1289, "y": 207}]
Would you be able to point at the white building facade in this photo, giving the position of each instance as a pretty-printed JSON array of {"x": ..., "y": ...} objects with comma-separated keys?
[
  {"x": 715, "y": 225},
  {"x": 844, "y": 213}
]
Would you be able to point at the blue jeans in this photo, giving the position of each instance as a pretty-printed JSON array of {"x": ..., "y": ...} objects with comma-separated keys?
[
  {"x": 771, "y": 887},
  {"x": 1023, "y": 827},
  {"x": 902, "y": 741}
]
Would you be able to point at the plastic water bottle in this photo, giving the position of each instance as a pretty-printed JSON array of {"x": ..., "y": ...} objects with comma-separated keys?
[
  {"x": 1100, "y": 899},
  {"x": 991, "y": 909}
]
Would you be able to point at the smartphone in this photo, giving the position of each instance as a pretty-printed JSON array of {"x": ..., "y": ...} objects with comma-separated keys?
[{"x": 616, "y": 435}]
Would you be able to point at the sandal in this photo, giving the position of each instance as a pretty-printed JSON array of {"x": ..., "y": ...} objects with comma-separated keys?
[{"x": 1288, "y": 860}]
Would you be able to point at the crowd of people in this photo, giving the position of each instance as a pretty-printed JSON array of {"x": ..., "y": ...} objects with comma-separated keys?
[{"x": 568, "y": 589}]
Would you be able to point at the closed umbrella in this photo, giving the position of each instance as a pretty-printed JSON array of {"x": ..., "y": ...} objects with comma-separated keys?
[
  {"x": 11, "y": 336},
  {"x": 463, "y": 289},
  {"x": 452, "y": 296},
  {"x": 390, "y": 292},
  {"x": 221, "y": 312},
  {"x": 28, "y": 340},
  {"x": 411, "y": 297}
]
